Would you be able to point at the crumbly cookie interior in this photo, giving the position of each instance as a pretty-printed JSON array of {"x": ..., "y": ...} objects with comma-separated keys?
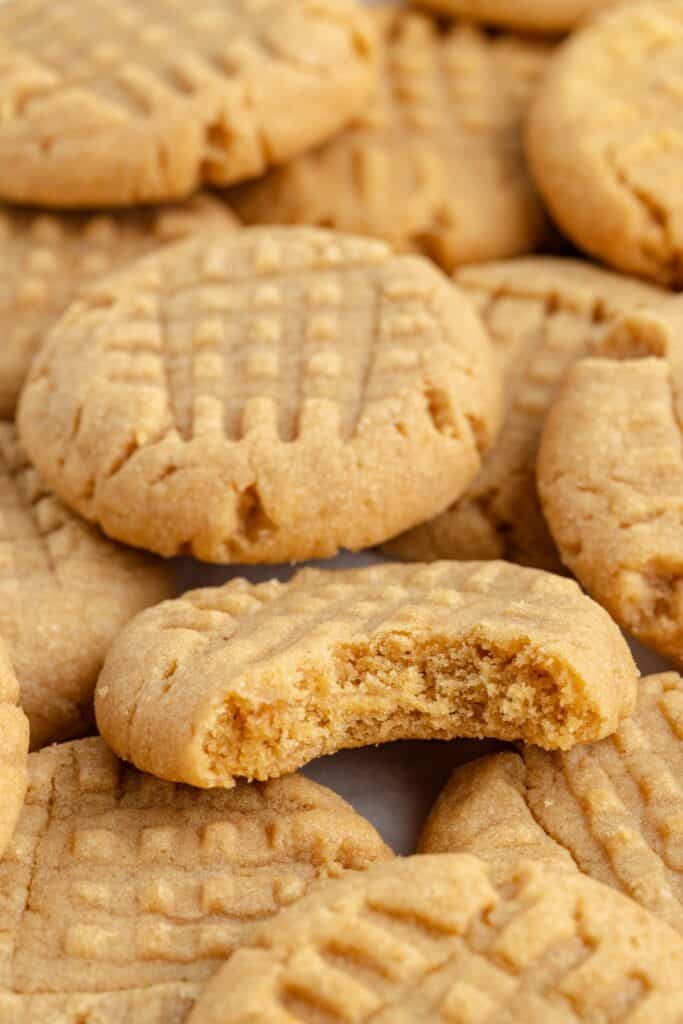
[{"x": 396, "y": 686}]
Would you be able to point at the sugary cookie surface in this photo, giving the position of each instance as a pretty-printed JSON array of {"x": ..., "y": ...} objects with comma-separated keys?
[
  {"x": 436, "y": 350},
  {"x": 13, "y": 749},
  {"x": 255, "y": 680},
  {"x": 604, "y": 138},
  {"x": 138, "y": 103},
  {"x": 265, "y": 395},
  {"x": 610, "y": 474},
  {"x": 448, "y": 99},
  {"x": 65, "y": 592},
  {"x": 120, "y": 894},
  {"x": 542, "y": 313},
  {"x": 438, "y": 939},
  {"x": 612, "y": 809},
  {"x": 46, "y": 257}
]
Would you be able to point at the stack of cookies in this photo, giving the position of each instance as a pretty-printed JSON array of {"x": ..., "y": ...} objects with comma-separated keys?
[{"x": 282, "y": 279}]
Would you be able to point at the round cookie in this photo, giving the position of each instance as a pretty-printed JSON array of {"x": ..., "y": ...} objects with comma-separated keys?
[
  {"x": 604, "y": 138},
  {"x": 610, "y": 475},
  {"x": 65, "y": 592},
  {"x": 438, "y": 940},
  {"x": 447, "y": 101},
  {"x": 13, "y": 750},
  {"x": 121, "y": 894},
  {"x": 44, "y": 258},
  {"x": 254, "y": 680},
  {"x": 614, "y": 809},
  {"x": 271, "y": 395},
  {"x": 542, "y": 313},
  {"x": 146, "y": 103},
  {"x": 528, "y": 16}
]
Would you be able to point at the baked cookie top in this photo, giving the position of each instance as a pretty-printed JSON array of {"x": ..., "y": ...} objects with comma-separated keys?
[
  {"x": 613, "y": 809},
  {"x": 121, "y": 894},
  {"x": 604, "y": 138},
  {"x": 65, "y": 592},
  {"x": 46, "y": 257},
  {"x": 542, "y": 314},
  {"x": 253, "y": 680},
  {"x": 447, "y": 100},
  {"x": 13, "y": 750},
  {"x": 439, "y": 939},
  {"x": 263, "y": 395},
  {"x": 528, "y": 16},
  {"x": 137, "y": 104},
  {"x": 610, "y": 474}
]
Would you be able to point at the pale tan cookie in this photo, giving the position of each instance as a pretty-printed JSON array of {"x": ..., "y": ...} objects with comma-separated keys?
[
  {"x": 484, "y": 810},
  {"x": 65, "y": 592},
  {"x": 13, "y": 750},
  {"x": 614, "y": 809},
  {"x": 439, "y": 940},
  {"x": 605, "y": 136},
  {"x": 44, "y": 258},
  {"x": 542, "y": 314},
  {"x": 254, "y": 680},
  {"x": 521, "y": 15},
  {"x": 121, "y": 894},
  {"x": 141, "y": 102},
  {"x": 610, "y": 475},
  {"x": 273, "y": 394},
  {"x": 435, "y": 162}
]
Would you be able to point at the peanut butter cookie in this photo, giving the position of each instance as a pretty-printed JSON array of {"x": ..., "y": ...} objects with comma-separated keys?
[
  {"x": 612, "y": 809},
  {"x": 121, "y": 894},
  {"x": 610, "y": 475},
  {"x": 266, "y": 395},
  {"x": 13, "y": 750},
  {"x": 253, "y": 680},
  {"x": 542, "y": 313},
  {"x": 65, "y": 592},
  {"x": 435, "y": 161},
  {"x": 147, "y": 102},
  {"x": 45, "y": 258},
  {"x": 605, "y": 135},
  {"x": 437, "y": 940}
]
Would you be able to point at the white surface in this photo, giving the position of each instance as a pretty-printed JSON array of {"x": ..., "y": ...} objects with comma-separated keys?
[{"x": 394, "y": 785}]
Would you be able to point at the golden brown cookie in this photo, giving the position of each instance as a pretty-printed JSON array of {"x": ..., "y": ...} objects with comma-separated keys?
[
  {"x": 45, "y": 258},
  {"x": 440, "y": 940},
  {"x": 253, "y": 680},
  {"x": 604, "y": 138},
  {"x": 13, "y": 750},
  {"x": 521, "y": 15},
  {"x": 614, "y": 809},
  {"x": 65, "y": 592},
  {"x": 542, "y": 314},
  {"x": 610, "y": 475},
  {"x": 271, "y": 395},
  {"x": 120, "y": 894},
  {"x": 147, "y": 102},
  {"x": 435, "y": 162}
]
